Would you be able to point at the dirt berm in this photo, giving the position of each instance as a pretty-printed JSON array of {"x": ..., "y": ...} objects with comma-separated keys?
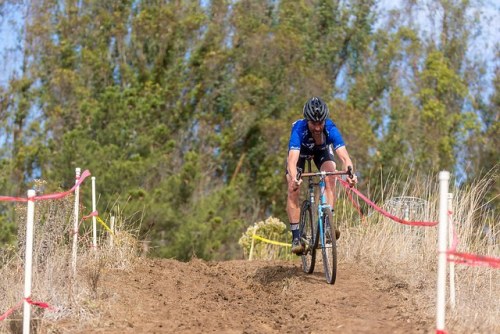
[{"x": 167, "y": 296}]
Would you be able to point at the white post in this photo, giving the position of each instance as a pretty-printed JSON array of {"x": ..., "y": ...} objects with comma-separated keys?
[
  {"x": 444, "y": 178},
  {"x": 112, "y": 228},
  {"x": 250, "y": 256},
  {"x": 75, "y": 225},
  {"x": 94, "y": 222},
  {"x": 28, "y": 262},
  {"x": 450, "y": 243}
]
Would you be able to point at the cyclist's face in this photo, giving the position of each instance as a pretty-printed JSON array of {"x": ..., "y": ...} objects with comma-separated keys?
[{"x": 316, "y": 127}]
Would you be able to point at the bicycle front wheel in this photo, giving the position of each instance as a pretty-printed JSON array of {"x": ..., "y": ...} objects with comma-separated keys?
[
  {"x": 329, "y": 247},
  {"x": 308, "y": 237}
]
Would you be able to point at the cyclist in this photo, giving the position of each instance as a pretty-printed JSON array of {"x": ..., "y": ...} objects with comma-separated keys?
[{"x": 313, "y": 137}]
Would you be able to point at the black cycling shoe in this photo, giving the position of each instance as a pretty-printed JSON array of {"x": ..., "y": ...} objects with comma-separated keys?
[{"x": 297, "y": 247}]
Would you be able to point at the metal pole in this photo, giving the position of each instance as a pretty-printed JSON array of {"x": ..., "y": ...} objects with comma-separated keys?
[
  {"x": 28, "y": 262},
  {"x": 112, "y": 228},
  {"x": 444, "y": 178},
  {"x": 75, "y": 225},
  {"x": 250, "y": 257},
  {"x": 450, "y": 243},
  {"x": 94, "y": 222}
]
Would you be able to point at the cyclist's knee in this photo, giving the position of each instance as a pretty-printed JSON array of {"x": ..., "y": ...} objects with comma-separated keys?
[
  {"x": 293, "y": 195},
  {"x": 328, "y": 166}
]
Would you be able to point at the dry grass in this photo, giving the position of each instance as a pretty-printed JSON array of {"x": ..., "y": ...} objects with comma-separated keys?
[
  {"x": 406, "y": 255},
  {"x": 409, "y": 254},
  {"x": 79, "y": 297}
]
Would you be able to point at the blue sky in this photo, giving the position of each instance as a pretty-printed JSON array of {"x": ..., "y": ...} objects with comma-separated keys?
[
  {"x": 5, "y": 41},
  {"x": 8, "y": 42}
]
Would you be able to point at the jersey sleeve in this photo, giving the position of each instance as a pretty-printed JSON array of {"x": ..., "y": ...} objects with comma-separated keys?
[
  {"x": 295, "y": 137},
  {"x": 334, "y": 136}
]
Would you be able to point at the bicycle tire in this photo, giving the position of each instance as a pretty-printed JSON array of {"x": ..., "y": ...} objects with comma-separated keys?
[
  {"x": 329, "y": 248},
  {"x": 308, "y": 236}
]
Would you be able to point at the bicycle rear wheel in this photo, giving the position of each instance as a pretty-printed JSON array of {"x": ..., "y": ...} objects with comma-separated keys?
[
  {"x": 329, "y": 248},
  {"x": 308, "y": 236}
]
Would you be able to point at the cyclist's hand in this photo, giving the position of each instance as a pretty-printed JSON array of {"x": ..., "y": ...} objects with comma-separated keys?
[
  {"x": 296, "y": 184},
  {"x": 352, "y": 180}
]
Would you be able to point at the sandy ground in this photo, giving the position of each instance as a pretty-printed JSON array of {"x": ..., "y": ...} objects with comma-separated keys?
[{"x": 167, "y": 296}]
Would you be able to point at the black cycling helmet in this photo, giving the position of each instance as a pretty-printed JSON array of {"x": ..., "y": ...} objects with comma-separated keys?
[{"x": 316, "y": 110}]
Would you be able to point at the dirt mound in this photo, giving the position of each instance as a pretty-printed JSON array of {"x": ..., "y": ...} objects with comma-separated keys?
[{"x": 167, "y": 296}]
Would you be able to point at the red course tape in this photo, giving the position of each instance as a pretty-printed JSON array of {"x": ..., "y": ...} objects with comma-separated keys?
[
  {"x": 84, "y": 175},
  {"x": 92, "y": 214},
  {"x": 472, "y": 259},
  {"x": 385, "y": 213},
  {"x": 18, "y": 305}
]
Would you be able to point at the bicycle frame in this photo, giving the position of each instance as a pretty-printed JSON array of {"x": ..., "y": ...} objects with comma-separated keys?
[
  {"x": 323, "y": 233},
  {"x": 322, "y": 196},
  {"x": 322, "y": 205}
]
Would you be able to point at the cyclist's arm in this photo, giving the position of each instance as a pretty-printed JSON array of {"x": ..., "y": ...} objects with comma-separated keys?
[
  {"x": 346, "y": 163},
  {"x": 293, "y": 158},
  {"x": 344, "y": 157}
]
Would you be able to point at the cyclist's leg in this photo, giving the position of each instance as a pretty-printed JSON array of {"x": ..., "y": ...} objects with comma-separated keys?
[
  {"x": 293, "y": 209},
  {"x": 292, "y": 202},
  {"x": 329, "y": 166},
  {"x": 324, "y": 161}
]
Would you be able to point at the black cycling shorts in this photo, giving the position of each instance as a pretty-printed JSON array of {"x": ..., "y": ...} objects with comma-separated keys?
[{"x": 319, "y": 156}]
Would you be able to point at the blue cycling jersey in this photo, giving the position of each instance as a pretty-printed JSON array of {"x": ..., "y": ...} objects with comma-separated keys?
[{"x": 301, "y": 138}]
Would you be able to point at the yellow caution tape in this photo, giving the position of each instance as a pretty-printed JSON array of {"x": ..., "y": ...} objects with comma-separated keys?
[
  {"x": 271, "y": 241},
  {"x": 104, "y": 224}
]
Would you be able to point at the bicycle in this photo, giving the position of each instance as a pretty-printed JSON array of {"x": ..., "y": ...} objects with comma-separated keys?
[{"x": 322, "y": 234}]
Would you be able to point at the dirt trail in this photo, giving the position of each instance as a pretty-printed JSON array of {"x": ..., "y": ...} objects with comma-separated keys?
[{"x": 167, "y": 296}]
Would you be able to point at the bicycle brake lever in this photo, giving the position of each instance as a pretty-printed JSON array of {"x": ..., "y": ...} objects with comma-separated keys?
[{"x": 349, "y": 172}]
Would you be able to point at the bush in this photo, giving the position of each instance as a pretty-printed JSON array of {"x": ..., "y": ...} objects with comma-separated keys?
[{"x": 272, "y": 229}]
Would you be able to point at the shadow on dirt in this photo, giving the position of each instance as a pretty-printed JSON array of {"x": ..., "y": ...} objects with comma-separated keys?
[{"x": 270, "y": 275}]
